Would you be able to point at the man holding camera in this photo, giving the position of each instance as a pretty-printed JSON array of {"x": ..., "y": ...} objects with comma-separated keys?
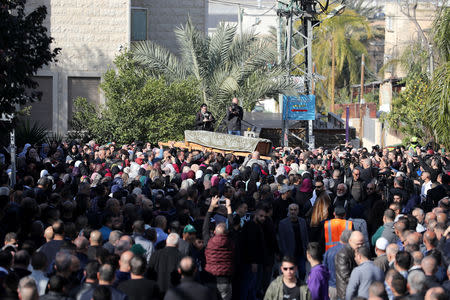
[
  {"x": 235, "y": 113},
  {"x": 204, "y": 119}
]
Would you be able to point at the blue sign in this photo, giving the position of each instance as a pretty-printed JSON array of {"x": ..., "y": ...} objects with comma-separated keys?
[{"x": 302, "y": 107}]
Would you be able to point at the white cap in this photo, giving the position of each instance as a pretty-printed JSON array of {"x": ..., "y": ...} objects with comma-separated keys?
[{"x": 382, "y": 243}]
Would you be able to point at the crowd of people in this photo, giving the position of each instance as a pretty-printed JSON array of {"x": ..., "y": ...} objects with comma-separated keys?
[{"x": 89, "y": 221}]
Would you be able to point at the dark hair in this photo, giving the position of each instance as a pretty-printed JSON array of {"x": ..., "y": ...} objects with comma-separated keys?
[
  {"x": 389, "y": 214},
  {"x": 403, "y": 259},
  {"x": 101, "y": 292},
  {"x": 22, "y": 258},
  {"x": 56, "y": 283},
  {"x": 313, "y": 250},
  {"x": 203, "y": 105},
  {"x": 399, "y": 283},
  {"x": 58, "y": 227},
  {"x": 364, "y": 251},
  {"x": 5, "y": 259},
  {"x": 289, "y": 259},
  {"x": 92, "y": 269},
  {"x": 39, "y": 261},
  {"x": 138, "y": 265}
]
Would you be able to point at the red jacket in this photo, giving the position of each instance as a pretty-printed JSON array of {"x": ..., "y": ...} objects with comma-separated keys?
[{"x": 219, "y": 256}]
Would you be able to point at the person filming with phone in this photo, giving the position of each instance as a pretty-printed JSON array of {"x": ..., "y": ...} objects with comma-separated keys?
[
  {"x": 235, "y": 113},
  {"x": 204, "y": 119}
]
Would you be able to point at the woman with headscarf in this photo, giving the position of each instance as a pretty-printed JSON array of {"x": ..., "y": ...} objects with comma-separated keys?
[{"x": 304, "y": 194}]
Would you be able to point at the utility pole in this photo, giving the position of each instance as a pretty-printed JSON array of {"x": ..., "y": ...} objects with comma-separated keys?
[
  {"x": 288, "y": 65},
  {"x": 240, "y": 13},
  {"x": 309, "y": 76},
  {"x": 361, "y": 97},
  {"x": 333, "y": 65},
  {"x": 279, "y": 49}
]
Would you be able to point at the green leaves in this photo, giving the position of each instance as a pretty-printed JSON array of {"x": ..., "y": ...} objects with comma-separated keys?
[
  {"x": 139, "y": 107},
  {"x": 225, "y": 65}
]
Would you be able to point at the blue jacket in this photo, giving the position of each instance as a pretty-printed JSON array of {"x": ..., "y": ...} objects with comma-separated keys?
[
  {"x": 328, "y": 261},
  {"x": 287, "y": 239}
]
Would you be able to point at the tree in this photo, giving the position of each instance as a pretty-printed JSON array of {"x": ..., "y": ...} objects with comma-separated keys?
[
  {"x": 343, "y": 33},
  {"x": 423, "y": 108},
  {"x": 24, "y": 49},
  {"x": 138, "y": 106},
  {"x": 225, "y": 65}
]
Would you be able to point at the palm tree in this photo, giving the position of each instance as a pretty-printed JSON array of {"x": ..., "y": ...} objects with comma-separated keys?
[
  {"x": 226, "y": 65},
  {"x": 344, "y": 33}
]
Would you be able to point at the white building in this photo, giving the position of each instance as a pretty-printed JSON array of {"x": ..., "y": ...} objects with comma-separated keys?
[{"x": 90, "y": 34}]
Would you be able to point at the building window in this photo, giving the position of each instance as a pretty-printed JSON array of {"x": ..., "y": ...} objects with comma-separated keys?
[
  {"x": 42, "y": 111},
  {"x": 138, "y": 24},
  {"x": 85, "y": 87}
]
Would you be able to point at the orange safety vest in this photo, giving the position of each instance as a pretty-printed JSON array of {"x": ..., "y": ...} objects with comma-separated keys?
[{"x": 333, "y": 230}]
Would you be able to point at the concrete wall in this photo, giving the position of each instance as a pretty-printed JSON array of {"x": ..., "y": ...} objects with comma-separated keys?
[
  {"x": 90, "y": 34},
  {"x": 164, "y": 16},
  {"x": 400, "y": 32}
]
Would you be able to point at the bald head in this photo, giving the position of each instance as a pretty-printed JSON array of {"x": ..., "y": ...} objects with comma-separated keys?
[
  {"x": 95, "y": 238},
  {"x": 429, "y": 265},
  {"x": 441, "y": 218},
  {"x": 221, "y": 228},
  {"x": 356, "y": 240},
  {"x": 436, "y": 293},
  {"x": 124, "y": 262},
  {"x": 81, "y": 243},
  {"x": 187, "y": 267},
  {"x": 430, "y": 240},
  {"x": 430, "y": 216}
]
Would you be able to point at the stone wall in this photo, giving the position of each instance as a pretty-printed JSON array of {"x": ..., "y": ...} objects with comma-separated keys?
[{"x": 164, "y": 16}]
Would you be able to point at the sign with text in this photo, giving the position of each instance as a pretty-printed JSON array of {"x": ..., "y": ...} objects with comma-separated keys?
[{"x": 302, "y": 107}]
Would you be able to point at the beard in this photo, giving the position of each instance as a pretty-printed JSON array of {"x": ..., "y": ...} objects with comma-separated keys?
[{"x": 340, "y": 194}]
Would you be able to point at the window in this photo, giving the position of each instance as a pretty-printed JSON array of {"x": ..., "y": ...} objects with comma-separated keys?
[
  {"x": 138, "y": 24},
  {"x": 42, "y": 111},
  {"x": 86, "y": 87}
]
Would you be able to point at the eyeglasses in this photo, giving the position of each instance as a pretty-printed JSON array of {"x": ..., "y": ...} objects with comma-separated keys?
[
  {"x": 319, "y": 186},
  {"x": 357, "y": 174},
  {"x": 288, "y": 268}
]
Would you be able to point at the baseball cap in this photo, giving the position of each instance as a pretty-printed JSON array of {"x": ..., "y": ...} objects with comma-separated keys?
[
  {"x": 189, "y": 229},
  {"x": 382, "y": 243}
]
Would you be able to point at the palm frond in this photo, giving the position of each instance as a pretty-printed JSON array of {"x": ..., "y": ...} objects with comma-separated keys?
[{"x": 158, "y": 60}]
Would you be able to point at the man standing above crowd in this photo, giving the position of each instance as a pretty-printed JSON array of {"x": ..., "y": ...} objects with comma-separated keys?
[
  {"x": 204, "y": 119},
  {"x": 235, "y": 114}
]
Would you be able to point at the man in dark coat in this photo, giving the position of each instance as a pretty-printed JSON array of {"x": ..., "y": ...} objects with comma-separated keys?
[
  {"x": 345, "y": 262},
  {"x": 204, "y": 120},
  {"x": 253, "y": 252},
  {"x": 235, "y": 114},
  {"x": 138, "y": 287},
  {"x": 163, "y": 264},
  {"x": 188, "y": 288},
  {"x": 293, "y": 238}
]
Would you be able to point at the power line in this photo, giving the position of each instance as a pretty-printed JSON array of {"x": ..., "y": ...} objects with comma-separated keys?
[{"x": 231, "y": 3}]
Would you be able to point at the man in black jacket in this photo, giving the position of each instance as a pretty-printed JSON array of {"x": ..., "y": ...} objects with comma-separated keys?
[
  {"x": 139, "y": 288},
  {"x": 204, "y": 120},
  {"x": 253, "y": 252},
  {"x": 188, "y": 289},
  {"x": 235, "y": 113},
  {"x": 163, "y": 264},
  {"x": 345, "y": 262}
]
